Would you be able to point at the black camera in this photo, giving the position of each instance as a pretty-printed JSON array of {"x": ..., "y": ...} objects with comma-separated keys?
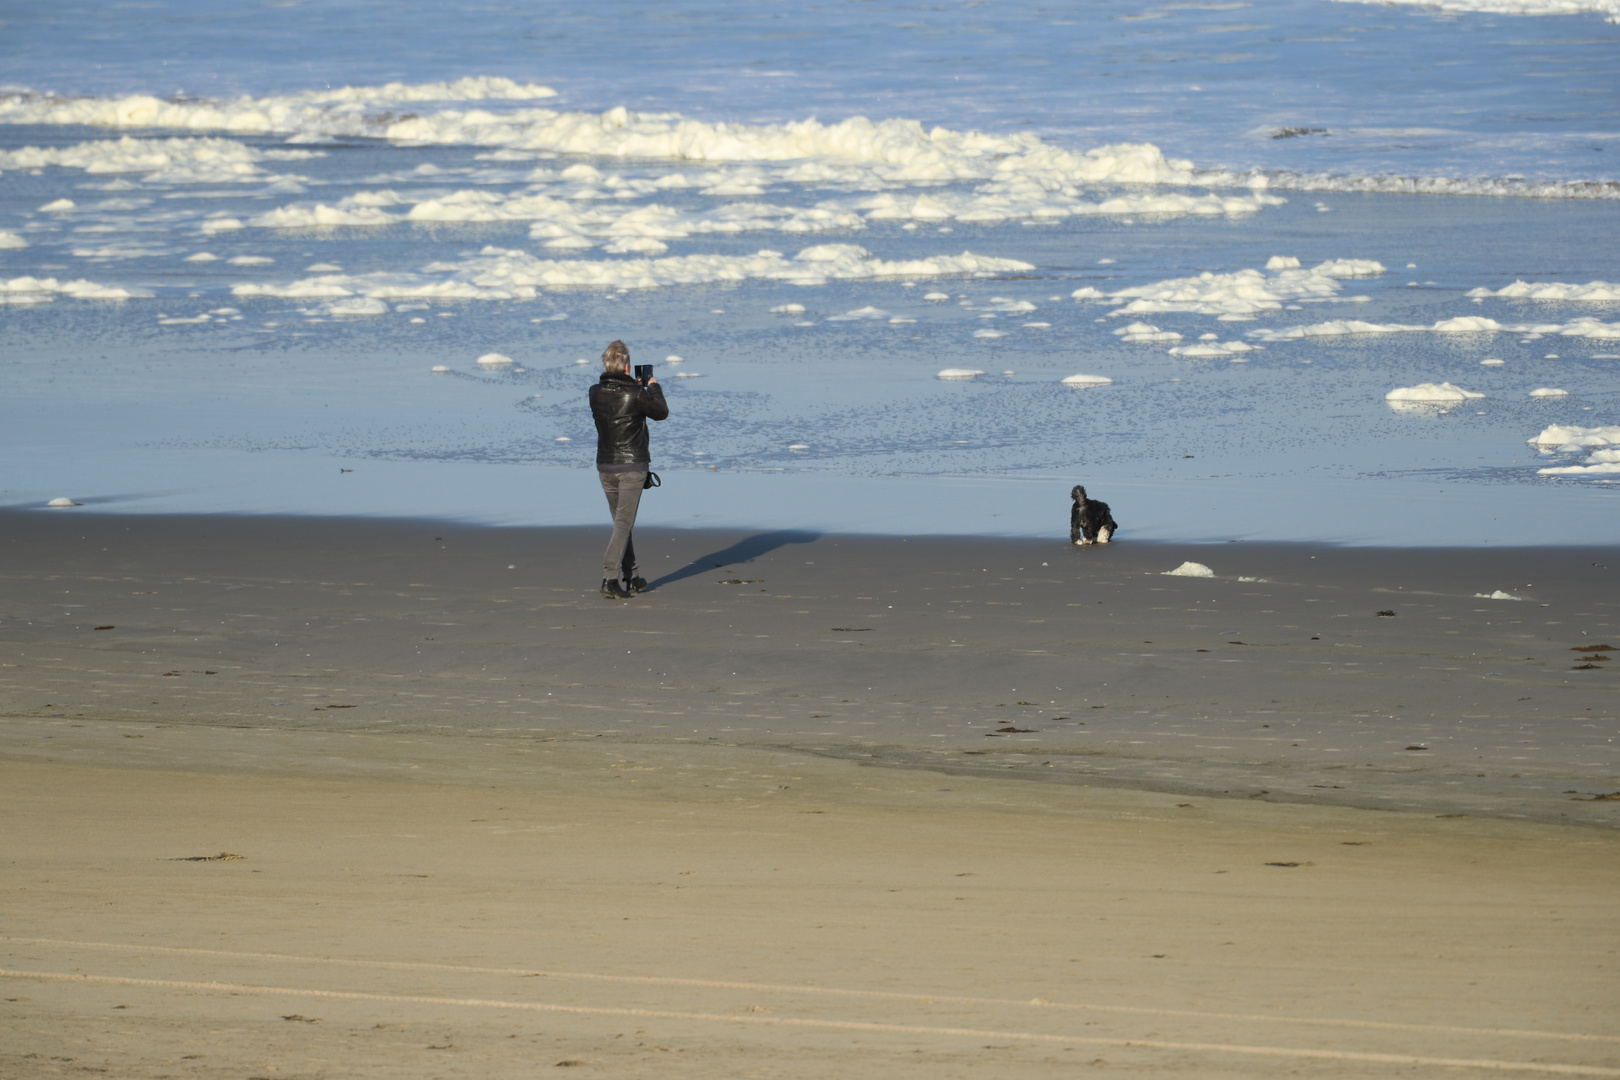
[{"x": 643, "y": 373}]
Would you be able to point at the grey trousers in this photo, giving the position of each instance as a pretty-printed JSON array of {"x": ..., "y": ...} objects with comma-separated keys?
[{"x": 623, "y": 491}]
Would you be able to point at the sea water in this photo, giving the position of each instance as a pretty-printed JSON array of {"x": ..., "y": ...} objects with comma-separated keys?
[{"x": 899, "y": 269}]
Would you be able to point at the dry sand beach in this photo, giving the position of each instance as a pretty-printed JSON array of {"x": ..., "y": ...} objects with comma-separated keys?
[{"x": 814, "y": 806}]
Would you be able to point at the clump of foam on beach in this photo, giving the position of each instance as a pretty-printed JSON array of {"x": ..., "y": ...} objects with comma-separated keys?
[
  {"x": 1087, "y": 380},
  {"x": 1189, "y": 569},
  {"x": 1592, "y": 291},
  {"x": 1601, "y": 445},
  {"x": 1463, "y": 324},
  {"x": 1432, "y": 394},
  {"x": 956, "y": 374},
  {"x": 1240, "y": 295},
  {"x": 1609, "y": 9},
  {"x": 1497, "y": 595},
  {"x": 509, "y": 274},
  {"x": 1142, "y": 332},
  {"x": 163, "y": 161},
  {"x": 1213, "y": 350},
  {"x": 32, "y": 290}
]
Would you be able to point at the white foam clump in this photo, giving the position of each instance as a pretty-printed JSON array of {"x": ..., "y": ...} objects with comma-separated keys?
[
  {"x": 1551, "y": 290},
  {"x": 31, "y": 290},
  {"x": 508, "y": 274},
  {"x": 117, "y": 251},
  {"x": 1463, "y": 324},
  {"x": 958, "y": 374},
  {"x": 936, "y": 297},
  {"x": 868, "y": 312},
  {"x": 305, "y": 217},
  {"x": 1432, "y": 393},
  {"x": 570, "y": 209},
  {"x": 1142, "y": 332},
  {"x": 201, "y": 257},
  {"x": 314, "y": 112},
  {"x": 1549, "y": 392},
  {"x": 10, "y": 241},
  {"x": 1282, "y": 262},
  {"x": 58, "y": 206},
  {"x": 1212, "y": 349},
  {"x": 248, "y": 260},
  {"x": 1610, "y": 9},
  {"x": 356, "y": 307},
  {"x": 988, "y": 335},
  {"x": 493, "y": 359},
  {"x": 1087, "y": 380},
  {"x": 62, "y": 501},
  {"x": 1034, "y": 196},
  {"x": 1600, "y": 444},
  {"x": 1492, "y": 363},
  {"x": 1497, "y": 595},
  {"x": 441, "y": 369},
  {"x": 788, "y": 309},
  {"x": 169, "y": 161},
  {"x": 1189, "y": 569},
  {"x": 1237, "y": 295}
]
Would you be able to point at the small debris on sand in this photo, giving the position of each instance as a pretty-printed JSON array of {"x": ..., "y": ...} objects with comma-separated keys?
[{"x": 223, "y": 856}]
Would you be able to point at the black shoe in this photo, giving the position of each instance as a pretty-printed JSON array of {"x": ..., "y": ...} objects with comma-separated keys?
[
  {"x": 638, "y": 585},
  {"x": 612, "y": 590}
]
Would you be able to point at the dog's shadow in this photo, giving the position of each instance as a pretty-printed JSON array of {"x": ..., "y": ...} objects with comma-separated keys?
[{"x": 743, "y": 551}]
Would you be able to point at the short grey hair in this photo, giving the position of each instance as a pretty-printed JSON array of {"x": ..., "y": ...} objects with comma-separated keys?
[{"x": 616, "y": 357}]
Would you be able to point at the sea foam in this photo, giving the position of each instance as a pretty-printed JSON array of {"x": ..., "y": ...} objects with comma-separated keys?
[
  {"x": 1552, "y": 290},
  {"x": 1610, "y": 9},
  {"x": 1235, "y": 295},
  {"x": 509, "y": 274},
  {"x": 31, "y": 290},
  {"x": 1463, "y": 324},
  {"x": 1600, "y": 445},
  {"x": 1431, "y": 393},
  {"x": 166, "y": 161}
]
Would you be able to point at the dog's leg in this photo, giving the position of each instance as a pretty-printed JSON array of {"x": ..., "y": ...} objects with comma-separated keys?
[{"x": 1102, "y": 537}]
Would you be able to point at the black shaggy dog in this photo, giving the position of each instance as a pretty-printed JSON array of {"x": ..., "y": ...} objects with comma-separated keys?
[{"x": 1089, "y": 520}]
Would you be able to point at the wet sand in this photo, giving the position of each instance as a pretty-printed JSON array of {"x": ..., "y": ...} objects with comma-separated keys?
[
  {"x": 482, "y": 822},
  {"x": 1287, "y": 687}
]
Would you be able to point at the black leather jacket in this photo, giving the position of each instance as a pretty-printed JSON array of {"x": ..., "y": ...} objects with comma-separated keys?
[{"x": 621, "y": 407}]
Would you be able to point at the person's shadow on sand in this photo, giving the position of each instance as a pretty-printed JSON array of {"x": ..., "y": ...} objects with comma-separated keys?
[{"x": 745, "y": 550}]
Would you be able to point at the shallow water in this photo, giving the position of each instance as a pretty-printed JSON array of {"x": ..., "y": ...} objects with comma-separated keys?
[{"x": 241, "y": 384}]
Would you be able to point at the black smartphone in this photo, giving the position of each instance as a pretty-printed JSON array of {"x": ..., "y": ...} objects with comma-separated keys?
[{"x": 643, "y": 373}]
